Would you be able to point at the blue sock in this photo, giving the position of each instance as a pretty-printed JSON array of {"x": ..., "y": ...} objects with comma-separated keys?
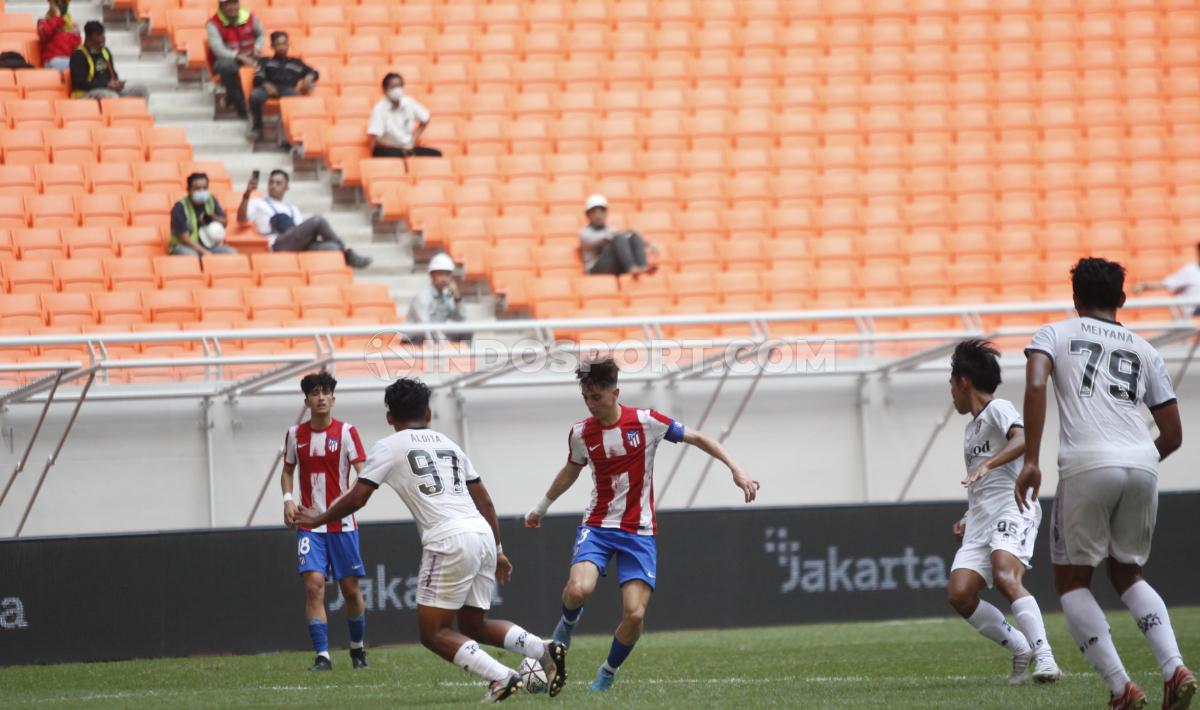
[
  {"x": 617, "y": 654},
  {"x": 358, "y": 630},
  {"x": 571, "y": 615},
  {"x": 318, "y": 631}
]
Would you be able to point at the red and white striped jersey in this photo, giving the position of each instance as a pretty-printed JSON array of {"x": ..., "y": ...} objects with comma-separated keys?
[
  {"x": 622, "y": 461},
  {"x": 324, "y": 461}
]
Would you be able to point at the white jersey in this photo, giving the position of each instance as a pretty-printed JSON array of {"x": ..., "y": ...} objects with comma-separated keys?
[
  {"x": 984, "y": 437},
  {"x": 1101, "y": 373},
  {"x": 430, "y": 473}
]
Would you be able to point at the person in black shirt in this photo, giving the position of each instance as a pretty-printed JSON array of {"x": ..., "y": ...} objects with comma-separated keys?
[
  {"x": 93, "y": 74},
  {"x": 276, "y": 76}
]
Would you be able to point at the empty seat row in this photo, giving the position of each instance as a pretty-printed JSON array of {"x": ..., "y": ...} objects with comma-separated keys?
[{"x": 75, "y": 113}]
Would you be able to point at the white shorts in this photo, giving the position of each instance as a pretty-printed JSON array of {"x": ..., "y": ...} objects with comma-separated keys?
[
  {"x": 1012, "y": 531},
  {"x": 1105, "y": 512},
  {"x": 458, "y": 571}
]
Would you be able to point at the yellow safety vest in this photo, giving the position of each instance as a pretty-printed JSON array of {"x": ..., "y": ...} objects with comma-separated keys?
[{"x": 92, "y": 66}]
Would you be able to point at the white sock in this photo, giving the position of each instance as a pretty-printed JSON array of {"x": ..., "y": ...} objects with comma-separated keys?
[
  {"x": 474, "y": 659},
  {"x": 520, "y": 641},
  {"x": 1150, "y": 613},
  {"x": 1089, "y": 628},
  {"x": 988, "y": 621},
  {"x": 325, "y": 654},
  {"x": 609, "y": 669},
  {"x": 1029, "y": 620}
]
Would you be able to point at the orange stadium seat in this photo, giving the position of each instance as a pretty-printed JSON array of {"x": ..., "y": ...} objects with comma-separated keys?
[
  {"x": 88, "y": 242},
  {"x": 80, "y": 275},
  {"x": 131, "y": 273},
  {"x": 113, "y": 307},
  {"x": 29, "y": 276}
]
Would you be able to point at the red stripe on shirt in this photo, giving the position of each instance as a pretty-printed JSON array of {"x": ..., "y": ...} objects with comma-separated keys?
[{"x": 631, "y": 521}]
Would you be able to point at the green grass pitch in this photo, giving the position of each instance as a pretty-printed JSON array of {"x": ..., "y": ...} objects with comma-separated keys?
[{"x": 933, "y": 663}]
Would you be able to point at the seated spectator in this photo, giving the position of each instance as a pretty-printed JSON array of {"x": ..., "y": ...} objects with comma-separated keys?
[
  {"x": 276, "y": 76},
  {"x": 397, "y": 123},
  {"x": 285, "y": 227},
  {"x": 438, "y": 301},
  {"x": 198, "y": 222},
  {"x": 57, "y": 36},
  {"x": 1184, "y": 283},
  {"x": 607, "y": 251},
  {"x": 235, "y": 39},
  {"x": 93, "y": 74}
]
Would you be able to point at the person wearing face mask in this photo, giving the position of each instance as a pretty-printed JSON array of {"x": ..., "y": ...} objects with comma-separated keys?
[
  {"x": 58, "y": 36},
  {"x": 438, "y": 301},
  {"x": 93, "y": 74},
  {"x": 276, "y": 76},
  {"x": 397, "y": 123},
  {"x": 198, "y": 222},
  {"x": 235, "y": 40}
]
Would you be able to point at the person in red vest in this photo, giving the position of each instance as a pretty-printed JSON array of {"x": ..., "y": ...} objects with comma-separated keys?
[
  {"x": 235, "y": 39},
  {"x": 58, "y": 36}
]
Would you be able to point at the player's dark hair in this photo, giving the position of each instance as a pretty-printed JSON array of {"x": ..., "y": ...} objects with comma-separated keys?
[
  {"x": 277, "y": 34},
  {"x": 322, "y": 380},
  {"x": 1098, "y": 283},
  {"x": 286, "y": 178},
  {"x": 601, "y": 373},
  {"x": 92, "y": 28},
  {"x": 979, "y": 362},
  {"x": 387, "y": 79},
  {"x": 407, "y": 399},
  {"x": 194, "y": 177}
]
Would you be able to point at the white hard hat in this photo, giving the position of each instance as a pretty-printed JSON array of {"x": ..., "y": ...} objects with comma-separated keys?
[
  {"x": 441, "y": 262},
  {"x": 594, "y": 201},
  {"x": 211, "y": 235}
]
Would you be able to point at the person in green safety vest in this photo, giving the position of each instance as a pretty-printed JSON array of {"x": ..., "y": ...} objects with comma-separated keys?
[
  {"x": 198, "y": 210},
  {"x": 93, "y": 74}
]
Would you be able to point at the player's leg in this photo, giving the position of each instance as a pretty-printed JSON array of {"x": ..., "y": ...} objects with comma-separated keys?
[
  {"x": 592, "y": 553},
  {"x": 1132, "y": 531},
  {"x": 314, "y": 563},
  {"x": 437, "y": 632},
  {"x": 1009, "y": 573},
  {"x": 346, "y": 562},
  {"x": 637, "y": 570},
  {"x": 473, "y": 622},
  {"x": 1079, "y": 542},
  {"x": 968, "y": 576}
]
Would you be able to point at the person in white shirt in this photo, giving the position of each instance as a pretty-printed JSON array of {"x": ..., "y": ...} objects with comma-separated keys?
[
  {"x": 285, "y": 227},
  {"x": 1107, "y": 499},
  {"x": 438, "y": 301},
  {"x": 397, "y": 122},
  {"x": 1184, "y": 283},
  {"x": 462, "y": 557},
  {"x": 609, "y": 251}
]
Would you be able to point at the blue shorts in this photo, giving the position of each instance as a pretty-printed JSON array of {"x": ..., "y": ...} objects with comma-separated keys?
[
  {"x": 637, "y": 555},
  {"x": 334, "y": 555}
]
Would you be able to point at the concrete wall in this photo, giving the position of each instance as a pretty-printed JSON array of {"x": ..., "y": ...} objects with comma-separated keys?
[{"x": 132, "y": 466}]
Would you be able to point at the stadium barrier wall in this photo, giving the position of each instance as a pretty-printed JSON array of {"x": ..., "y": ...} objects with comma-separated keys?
[{"x": 236, "y": 591}]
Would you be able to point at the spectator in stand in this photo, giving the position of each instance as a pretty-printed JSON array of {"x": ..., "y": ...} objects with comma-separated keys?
[
  {"x": 607, "y": 251},
  {"x": 235, "y": 39},
  {"x": 397, "y": 123},
  {"x": 1184, "y": 283},
  {"x": 58, "y": 36},
  {"x": 276, "y": 76},
  {"x": 198, "y": 222},
  {"x": 438, "y": 301},
  {"x": 93, "y": 74},
  {"x": 285, "y": 227}
]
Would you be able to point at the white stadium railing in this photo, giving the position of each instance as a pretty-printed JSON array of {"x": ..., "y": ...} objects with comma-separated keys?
[{"x": 862, "y": 343}]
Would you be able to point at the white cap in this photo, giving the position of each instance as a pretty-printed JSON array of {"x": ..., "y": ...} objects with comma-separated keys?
[
  {"x": 596, "y": 200},
  {"x": 441, "y": 262},
  {"x": 211, "y": 235}
]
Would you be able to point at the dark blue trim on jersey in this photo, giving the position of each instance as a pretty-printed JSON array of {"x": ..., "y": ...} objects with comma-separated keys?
[
  {"x": 1160, "y": 405},
  {"x": 1104, "y": 320},
  {"x": 369, "y": 482},
  {"x": 674, "y": 433},
  {"x": 1038, "y": 350}
]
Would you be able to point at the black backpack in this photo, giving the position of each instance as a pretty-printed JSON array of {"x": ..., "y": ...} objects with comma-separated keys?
[{"x": 13, "y": 60}]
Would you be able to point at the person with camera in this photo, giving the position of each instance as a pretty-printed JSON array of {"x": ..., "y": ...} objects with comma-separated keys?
[
  {"x": 285, "y": 227},
  {"x": 198, "y": 222},
  {"x": 58, "y": 36}
]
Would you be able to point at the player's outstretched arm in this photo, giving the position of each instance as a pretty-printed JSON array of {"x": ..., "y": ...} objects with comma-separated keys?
[
  {"x": 1037, "y": 374},
  {"x": 1170, "y": 430},
  {"x": 1011, "y": 452},
  {"x": 483, "y": 503},
  {"x": 348, "y": 504},
  {"x": 713, "y": 448},
  {"x": 567, "y": 475}
]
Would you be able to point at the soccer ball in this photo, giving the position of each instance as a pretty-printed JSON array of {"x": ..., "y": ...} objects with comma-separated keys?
[{"x": 533, "y": 675}]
